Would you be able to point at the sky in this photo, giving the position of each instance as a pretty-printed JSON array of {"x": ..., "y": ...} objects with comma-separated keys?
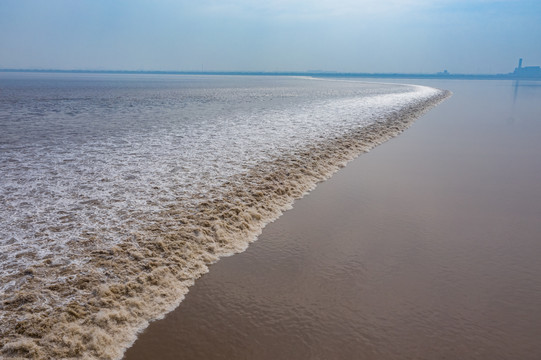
[{"x": 373, "y": 36}]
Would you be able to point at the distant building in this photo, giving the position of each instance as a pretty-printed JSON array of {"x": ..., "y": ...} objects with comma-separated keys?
[{"x": 527, "y": 71}]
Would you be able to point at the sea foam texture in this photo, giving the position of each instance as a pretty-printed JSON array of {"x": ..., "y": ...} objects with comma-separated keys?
[{"x": 100, "y": 303}]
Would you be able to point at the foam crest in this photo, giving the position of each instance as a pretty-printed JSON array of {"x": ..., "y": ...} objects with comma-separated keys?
[{"x": 105, "y": 233}]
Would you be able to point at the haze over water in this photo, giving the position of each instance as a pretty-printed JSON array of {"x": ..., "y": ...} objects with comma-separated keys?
[{"x": 118, "y": 191}]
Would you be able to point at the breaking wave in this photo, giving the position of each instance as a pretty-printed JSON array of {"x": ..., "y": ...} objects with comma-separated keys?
[{"x": 87, "y": 263}]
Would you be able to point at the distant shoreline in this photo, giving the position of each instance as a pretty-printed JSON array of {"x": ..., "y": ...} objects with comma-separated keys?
[{"x": 510, "y": 76}]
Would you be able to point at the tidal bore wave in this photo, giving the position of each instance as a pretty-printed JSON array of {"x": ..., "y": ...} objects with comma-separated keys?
[{"x": 61, "y": 307}]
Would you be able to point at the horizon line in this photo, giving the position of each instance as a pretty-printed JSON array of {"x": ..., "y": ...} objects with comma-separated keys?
[{"x": 439, "y": 75}]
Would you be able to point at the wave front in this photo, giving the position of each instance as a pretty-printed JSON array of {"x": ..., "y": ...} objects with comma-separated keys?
[{"x": 99, "y": 304}]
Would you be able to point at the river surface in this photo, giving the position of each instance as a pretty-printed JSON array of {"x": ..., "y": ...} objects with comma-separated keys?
[
  {"x": 118, "y": 191},
  {"x": 428, "y": 247}
]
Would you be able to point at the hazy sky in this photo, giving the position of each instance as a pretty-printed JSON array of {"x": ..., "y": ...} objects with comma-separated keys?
[{"x": 462, "y": 36}]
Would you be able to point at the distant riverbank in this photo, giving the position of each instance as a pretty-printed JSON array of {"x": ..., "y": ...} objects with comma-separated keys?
[{"x": 442, "y": 75}]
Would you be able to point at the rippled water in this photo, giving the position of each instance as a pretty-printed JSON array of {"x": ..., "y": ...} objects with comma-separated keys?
[
  {"x": 117, "y": 191},
  {"x": 426, "y": 248}
]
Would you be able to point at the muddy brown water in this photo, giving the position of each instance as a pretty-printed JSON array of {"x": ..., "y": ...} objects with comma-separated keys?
[{"x": 428, "y": 247}]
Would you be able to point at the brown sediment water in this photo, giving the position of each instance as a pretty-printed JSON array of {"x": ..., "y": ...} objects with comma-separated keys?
[
  {"x": 426, "y": 248},
  {"x": 98, "y": 303}
]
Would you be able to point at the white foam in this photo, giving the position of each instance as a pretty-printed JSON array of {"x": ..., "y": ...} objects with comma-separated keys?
[{"x": 85, "y": 173}]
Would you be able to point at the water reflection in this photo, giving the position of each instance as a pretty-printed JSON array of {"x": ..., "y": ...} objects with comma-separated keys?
[
  {"x": 525, "y": 100},
  {"x": 515, "y": 93}
]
